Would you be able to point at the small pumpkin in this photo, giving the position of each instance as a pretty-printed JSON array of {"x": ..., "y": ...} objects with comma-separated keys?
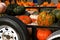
[
  {"x": 7, "y": 3},
  {"x": 31, "y": 3},
  {"x": 25, "y": 19},
  {"x": 45, "y": 19},
  {"x": 51, "y": 4},
  {"x": 20, "y": 3},
  {"x": 58, "y": 5},
  {"x": 10, "y": 8},
  {"x": 14, "y": 9},
  {"x": 26, "y": 4},
  {"x": 56, "y": 12},
  {"x": 19, "y": 10},
  {"x": 45, "y": 3}
]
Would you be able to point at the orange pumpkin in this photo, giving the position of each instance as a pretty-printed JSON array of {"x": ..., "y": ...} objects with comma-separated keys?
[
  {"x": 45, "y": 19},
  {"x": 25, "y": 19},
  {"x": 20, "y": 3},
  {"x": 31, "y": 3},
  {"x": 51, "y": 4},
  {"x": 7, "y": 3},
  {"x": 23, "y": 3},
  {"x": 26, "y": 4},
  {"x": 58, "y": 5},
  {"x": 43, "y": 33},
  {"x": 45, "y": 3}
]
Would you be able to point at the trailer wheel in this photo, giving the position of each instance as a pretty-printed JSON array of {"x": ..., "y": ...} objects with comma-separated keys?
[{"x": 12, "y": 29}]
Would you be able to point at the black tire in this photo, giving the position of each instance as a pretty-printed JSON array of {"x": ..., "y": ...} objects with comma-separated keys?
[{"x": 17, "y": 25}]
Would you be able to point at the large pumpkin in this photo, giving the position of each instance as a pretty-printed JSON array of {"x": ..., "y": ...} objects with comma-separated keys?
[
  {"x": 43, "y": 33},
  {"x": 45, "y": 19}
]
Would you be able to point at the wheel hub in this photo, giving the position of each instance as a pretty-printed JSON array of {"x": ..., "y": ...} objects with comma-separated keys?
[
  {"x": 7, "y": 36},
  {"x": 8, "y": 33}
]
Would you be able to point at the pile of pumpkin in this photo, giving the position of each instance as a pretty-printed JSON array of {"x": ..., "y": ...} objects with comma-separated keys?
[
  {"x": 51, "y": 4},
  {"x": 44, "y": 18},
  {"x": 28, "y": 4},
  {"x": 48, "y": 4},
  {"x": 20, "y": 3},
  {"x": 25, "y": 4}
]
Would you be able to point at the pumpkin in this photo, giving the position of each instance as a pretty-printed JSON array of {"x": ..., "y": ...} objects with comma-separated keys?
[
  {"x": 18, "y": 2},
  {"x": 25, "y": 19},
  {"x": 14, "y": 9},
  {"x": 7, "y": 3},
  {"x": 19, "y": 10},
  {"x": 43, "y": 33},
  {"x": 56, "y": 12},
  {"x": 10, "y": 8},
  {"x": 24, "y": 3},
  {"x": 46, "y": 9},
  {"x": 58, "y": 5},
  {"x": 31, "y": 3},
  {"x": 45, "y": 3},
  {"x": 45, "y": 19},
  {"x": 51, "y": 4}
]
